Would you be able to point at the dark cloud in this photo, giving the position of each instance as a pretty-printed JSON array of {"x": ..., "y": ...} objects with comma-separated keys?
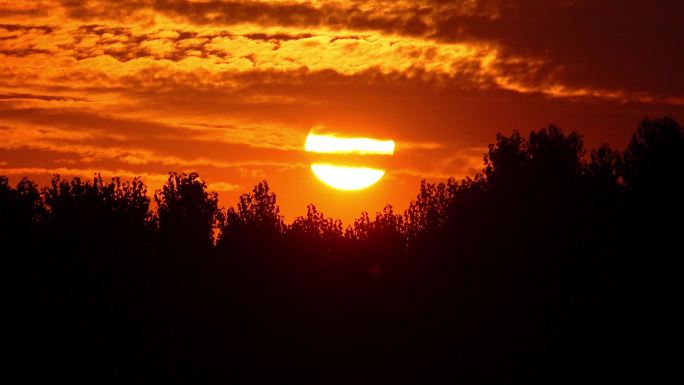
[
  {"x": 277, "y": 36},
  {"x": 613, "y": 44},
  {"x": 23, "y": 52},
  {"x": 12, "y": 95},
  {"x": 161, "y": 141},
  {"x": 90, "y": 122},
  {"x": 36, "y": 11},
  {"x": 20, "y": 29},
  {"x": 455, "y": 112}
]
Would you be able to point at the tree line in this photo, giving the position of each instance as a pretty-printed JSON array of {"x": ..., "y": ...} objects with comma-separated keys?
[{"x": 554, "y": 264}]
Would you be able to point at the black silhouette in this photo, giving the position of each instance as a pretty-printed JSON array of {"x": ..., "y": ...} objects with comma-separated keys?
[{"x": 551, "y": 266}]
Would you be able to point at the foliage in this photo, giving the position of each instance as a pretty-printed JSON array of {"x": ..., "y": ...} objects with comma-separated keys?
[
  {"x": 549, "y": 266},
  {"x": 186, "y": 212},
  {"x": 257, "y": 216}
]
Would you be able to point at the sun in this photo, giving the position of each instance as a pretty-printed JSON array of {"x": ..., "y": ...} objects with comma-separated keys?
[{"x": 344, "y": 176}]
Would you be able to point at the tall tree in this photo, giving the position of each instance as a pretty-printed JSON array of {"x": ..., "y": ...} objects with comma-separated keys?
[{"x": 187, "y": 214}]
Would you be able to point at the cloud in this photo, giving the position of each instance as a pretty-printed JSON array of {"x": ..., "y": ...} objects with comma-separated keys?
[
  {"x": 48, "y": 98},
  {"x": 619, "y": 46},
  {"x": 222, "y": 186},
  {"x": 573, "y": 49}
]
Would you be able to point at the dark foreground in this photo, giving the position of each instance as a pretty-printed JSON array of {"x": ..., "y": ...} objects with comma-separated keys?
[{"x": 549, "y": 267}]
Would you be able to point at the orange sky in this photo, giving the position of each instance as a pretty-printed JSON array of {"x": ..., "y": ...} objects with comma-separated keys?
[{"x": 230, "y": 89}]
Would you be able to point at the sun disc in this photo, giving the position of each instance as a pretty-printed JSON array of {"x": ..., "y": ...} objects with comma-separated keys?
[
  {"x": 346, "y": 177},
  {"x": 331, "y": 144}
]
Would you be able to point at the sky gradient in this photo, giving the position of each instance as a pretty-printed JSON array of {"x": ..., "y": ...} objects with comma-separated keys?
[{"x": 230, "y": 89}]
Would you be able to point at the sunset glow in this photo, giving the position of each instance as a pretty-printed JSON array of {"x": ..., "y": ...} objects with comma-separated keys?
[
  {"x": 304, "y": 192},
  {"x": 231, "y": 89}
]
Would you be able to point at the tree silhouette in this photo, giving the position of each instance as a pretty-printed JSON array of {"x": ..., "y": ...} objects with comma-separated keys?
[
  {"x": 315, "y": 229},
  {"x": 654, "y": 158},
  {"x": 652, "y": 168},
  {"x": 603, "y": 168},
  {"x": 428, "y": 211},
  {"x": 554, "y": 264},
  {"x": 186, "y": 213},
  {"x": 97, "y": 208},
  {"x": 256, "y": 218},
  {"x": 21, "y": 208}
]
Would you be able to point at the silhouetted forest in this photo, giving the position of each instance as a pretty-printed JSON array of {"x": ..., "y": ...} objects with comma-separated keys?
[{"x": 553, "y": 265}]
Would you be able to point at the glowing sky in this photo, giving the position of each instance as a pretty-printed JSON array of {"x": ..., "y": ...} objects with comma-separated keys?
[{"x": 230, "y": 89}]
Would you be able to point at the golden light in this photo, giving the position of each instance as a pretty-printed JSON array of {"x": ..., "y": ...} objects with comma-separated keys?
[{"x": 346, "y": 177}]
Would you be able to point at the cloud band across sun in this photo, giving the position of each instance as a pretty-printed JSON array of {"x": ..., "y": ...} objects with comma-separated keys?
[{"x": 346, "y": 177}]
